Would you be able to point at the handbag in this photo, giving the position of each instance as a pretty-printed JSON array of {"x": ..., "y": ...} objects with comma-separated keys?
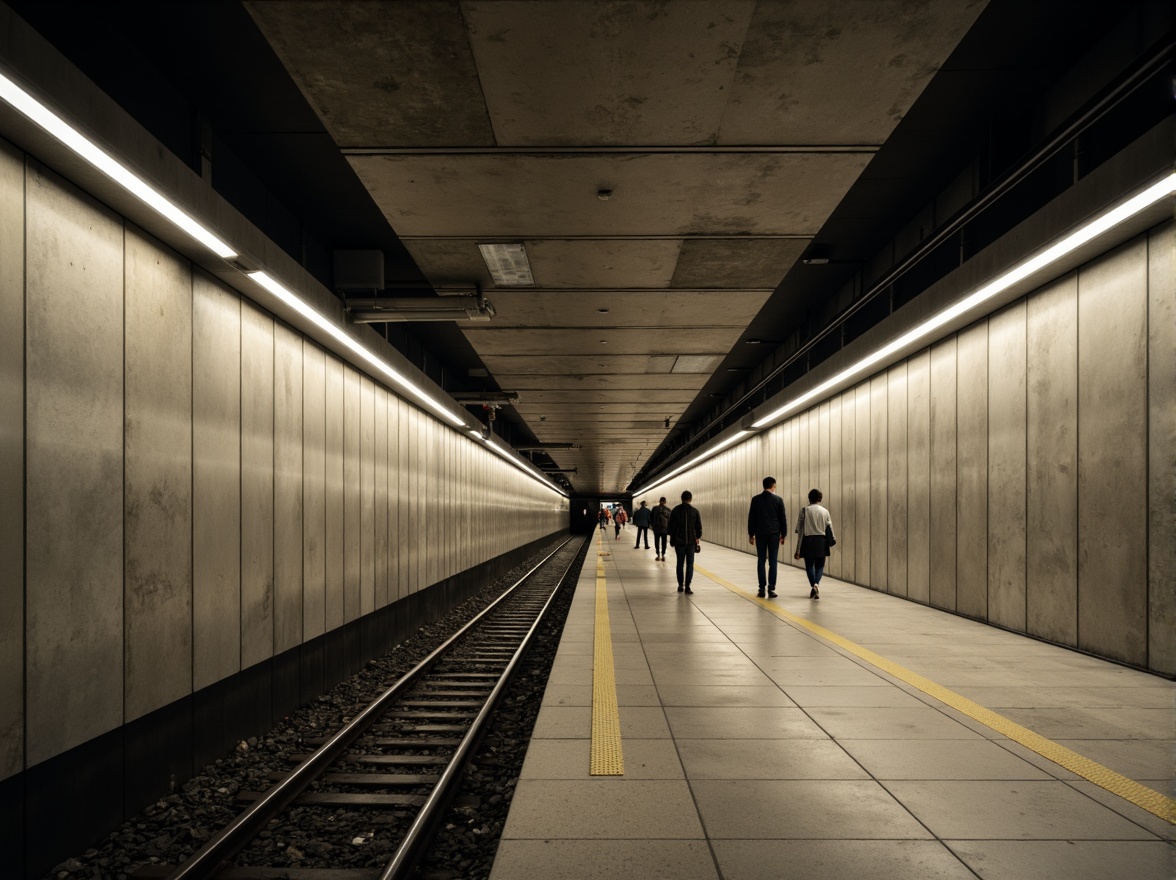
[{"x": 829, "y": 539}]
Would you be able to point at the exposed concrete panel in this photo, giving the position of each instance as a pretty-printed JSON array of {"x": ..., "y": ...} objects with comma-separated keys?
[
  {"x": 942, "y": 490},
  {"x": 918, "y": 476},
  {"x": 507, "y": 195},
  {"x": 257, "y": 486},
  {"x": 526, "y": 374},
  {"x": 612, "y": 342},
  {"x": 879, "y": 527},
  {"x": 1112, "y": 454},
  {"x": 1006, "y": 467},
  {"x": 1052, "y": 466},
  {"x": 1162, "y": 449},
  {"x": 333, "y": 458},
  {"x": 216, "y": 478},
  {"x": 74, "y": 513},
  {"x": 862, "y": 466},
  {"x": 898, "y": 526},
  {"x": 404, "y": 499},
  {"x": 314, "y": 491},
  {"x": 615, "y": 70},
  {"x": 581, "y": 263},
  {"x": 394, "y": 548},
  {"x": 846, "y": 523},
  {"x": 367, "y": 496},
  {"x": 381, "y": 496},
  {"x": 732, "y": 263},
  {"x": 157, "y": 477},
  {"x": 288, "y": 467},
  {"x": 352, "y": 500},
  {"x": 838, "y": 71},
  {"x": 12, "y": 463},
  {"x": 972, "y": 471},
  {"x": 627, "y": 308},
  {"x": 377, "y": 73}
]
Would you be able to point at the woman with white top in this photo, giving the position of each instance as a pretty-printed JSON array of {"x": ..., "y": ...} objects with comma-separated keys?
[{"x": 814, "y": 536}]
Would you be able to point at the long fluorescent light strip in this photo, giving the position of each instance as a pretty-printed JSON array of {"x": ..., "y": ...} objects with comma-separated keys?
[
  {"x": 698, "y": 459},
  {"x": 535, "y": 475},
  {"x": 338, "y": 333},
  {"x": 30, "y": 107},
  {"x": 1093, "y": 229}
]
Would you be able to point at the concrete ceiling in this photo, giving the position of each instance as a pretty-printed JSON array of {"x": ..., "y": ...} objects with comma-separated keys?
[{"x": 727, "y": 133}]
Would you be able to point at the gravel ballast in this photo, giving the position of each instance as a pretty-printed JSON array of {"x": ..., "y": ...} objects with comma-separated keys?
[{"x": 174, "y": 827}]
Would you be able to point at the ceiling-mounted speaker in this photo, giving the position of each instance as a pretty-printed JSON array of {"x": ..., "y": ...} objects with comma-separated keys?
[{"x": 359, "y": 270}]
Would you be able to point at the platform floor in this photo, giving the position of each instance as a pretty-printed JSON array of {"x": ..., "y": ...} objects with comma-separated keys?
[{"x": 756, "y": 748}]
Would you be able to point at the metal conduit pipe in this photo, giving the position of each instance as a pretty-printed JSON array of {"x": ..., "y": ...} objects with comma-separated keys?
[{"x": 1116, "y": 93}]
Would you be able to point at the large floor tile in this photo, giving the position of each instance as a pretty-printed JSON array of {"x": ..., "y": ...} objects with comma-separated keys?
[
  {"x": 835, "y": 859},
  {"x": 570, "y": 758},
  {"x": 914, "y": 722},
  {"x": 1067, "y": 859},
  {"x": 894, "y": 697},
  {"x": 802, "y": 809},
  {"x": 717, "y": 695},
  {"x": 766, "y": 759},
  {"x": 617, "y": 809},
  {"x": 1012, "y": 811},
  {"x": 1098, "y": 723},
  {"x": 1135, "y": 759},
  {"x": 741, "y": 723},
  {"x": 603, "y": 860},
  {"x": 938, "y": 759}
]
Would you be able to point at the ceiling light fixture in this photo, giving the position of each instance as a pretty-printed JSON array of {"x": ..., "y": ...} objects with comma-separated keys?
[
  {"x": 507, "y": 264},
  {"x": 34, "y": 110},
  {"x": 1162, "y": 189},
  {"x": 322, "y": 322}
]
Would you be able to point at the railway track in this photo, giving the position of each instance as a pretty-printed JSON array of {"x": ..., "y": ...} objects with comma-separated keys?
[{"x": 399, "y": 760}]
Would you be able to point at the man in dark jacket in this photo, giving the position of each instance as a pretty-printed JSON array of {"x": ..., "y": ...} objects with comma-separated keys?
[
  {"x": 661, "y": 529},
  {"x": 767, "y": 526},
  {"x": 641, "y": 518},
  {"x": 685, "y": 531}
]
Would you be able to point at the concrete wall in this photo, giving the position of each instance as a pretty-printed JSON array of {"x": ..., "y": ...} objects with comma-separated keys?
[
  {"x": 188, "y": 488},
  {"x": 1021, "y": 471}
]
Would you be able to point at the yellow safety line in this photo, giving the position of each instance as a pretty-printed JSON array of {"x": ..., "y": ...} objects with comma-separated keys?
[
  {"x": 607, "y": 759},
  {"x": 1116, "y": 783}
]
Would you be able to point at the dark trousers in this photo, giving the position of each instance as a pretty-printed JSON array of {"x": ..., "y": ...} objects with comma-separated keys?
[
  {"x": 686, "y": 560},
  {"x": 642, "y": 530},
  {"x": 767, "y": 549},
  {"x": 660, "y": 541},
  {"x": 815, "y": 567}
]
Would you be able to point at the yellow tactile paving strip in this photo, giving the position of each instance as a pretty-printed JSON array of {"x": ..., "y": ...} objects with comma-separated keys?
[
  {"x": 1116, "y": 783},
  {"x": 606, "y": 759}
]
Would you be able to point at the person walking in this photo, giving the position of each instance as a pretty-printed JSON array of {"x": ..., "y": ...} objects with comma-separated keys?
[
  {"x": 618, "y": 523},
  {"x": 641, "y": 518},
  {"x": 685, "y": 530},
  {"x": 814, "y": 537},
  {"x": 660, "y": 520},
  {"x": 602, "y": 518},
  {"x": 767, "y": 527}
]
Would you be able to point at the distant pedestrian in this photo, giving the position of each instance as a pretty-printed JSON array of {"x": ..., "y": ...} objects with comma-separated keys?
[
  {"x": 814, "y": 537},
  {"x": 617, "y": 523},
  {"x": 602, "y": 518},
  {"x": 767, "y": 528},
  {"x": 641, "y": 518},
  {"x": 660, "y": 520},
  {"x": 685, "y": 532}
]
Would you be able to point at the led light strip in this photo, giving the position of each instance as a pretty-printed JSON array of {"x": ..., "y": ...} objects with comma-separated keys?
[
  {"x": 34, "y": 110},
  {"x": 1112, "y": 218},
  {"x": 698, "y": 459}
]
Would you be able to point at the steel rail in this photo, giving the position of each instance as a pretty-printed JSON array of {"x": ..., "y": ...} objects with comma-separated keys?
[
  {"x": 226, "y": 843},
  {"x": 420, "y": 833}
]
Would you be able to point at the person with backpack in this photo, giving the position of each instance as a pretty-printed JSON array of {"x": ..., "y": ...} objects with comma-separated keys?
[
  {"x": 685, "y": 532},
  {"x": 660, "y": 520}
]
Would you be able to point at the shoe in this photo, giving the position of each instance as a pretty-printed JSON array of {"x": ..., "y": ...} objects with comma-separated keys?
[
  {"x": 816, "y": 593},
  {"x": 680, "y": 588},
  {"x": 688, "y": 590},
  {"x": 771, "y": 594},
  {"x": 760, "y": 594}
]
